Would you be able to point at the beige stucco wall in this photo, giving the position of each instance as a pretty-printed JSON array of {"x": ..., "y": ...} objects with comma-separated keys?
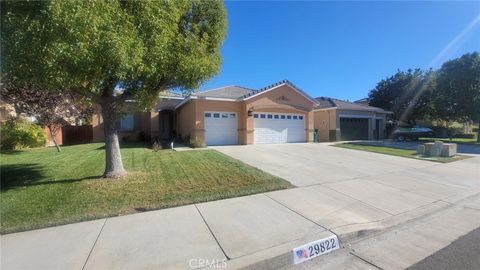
[
  {"x": 141, "y": 123},
  {"x": 190, "y": 116},
  {"x": 185, "y": 120},
  {"x": 325, "y": 121},
  {"x": 283, "y": 99},
  {"x": 328, "y": 121}
]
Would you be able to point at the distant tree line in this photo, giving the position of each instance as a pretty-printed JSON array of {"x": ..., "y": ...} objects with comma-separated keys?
[{"x": 451, "y": 93}]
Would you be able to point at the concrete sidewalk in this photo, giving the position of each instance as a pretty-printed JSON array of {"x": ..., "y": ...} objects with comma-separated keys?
[
  {"x": 189, "y": 237},
  {"x": 260, "y": 230},
  {"x": 408, "y": 243}
]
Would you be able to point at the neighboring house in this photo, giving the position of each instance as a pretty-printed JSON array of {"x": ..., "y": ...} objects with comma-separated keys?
[
  {"x": 7, "y": 111},
  {"x": 338, "y": 120},
  {"x": 363, "y": 101},
  {"x": 279, "y": 113}
]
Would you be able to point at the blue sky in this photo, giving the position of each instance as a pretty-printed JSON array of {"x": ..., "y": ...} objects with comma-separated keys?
[{"x": 341, "y": 49}]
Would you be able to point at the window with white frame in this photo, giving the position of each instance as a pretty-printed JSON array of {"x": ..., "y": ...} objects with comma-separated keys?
[{"x": 126, "y": 122}]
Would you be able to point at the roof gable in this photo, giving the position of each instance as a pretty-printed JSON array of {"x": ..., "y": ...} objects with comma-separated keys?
[{"x": 266, "y": 89}]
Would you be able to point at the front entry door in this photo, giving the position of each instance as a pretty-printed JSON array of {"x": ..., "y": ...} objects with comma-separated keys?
[{"x": 165, "y": 119}]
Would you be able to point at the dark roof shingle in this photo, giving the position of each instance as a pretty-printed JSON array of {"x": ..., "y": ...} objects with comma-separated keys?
[{"x": 326, "y": 102}]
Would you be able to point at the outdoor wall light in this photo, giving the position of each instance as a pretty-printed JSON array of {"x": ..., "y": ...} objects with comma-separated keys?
[{"x": 250, "y": 112}]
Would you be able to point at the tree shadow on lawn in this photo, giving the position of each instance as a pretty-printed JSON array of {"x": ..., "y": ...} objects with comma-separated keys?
[
  {"x": 126, "y": 145},
  {"x": 23, "y": 175},
  {"x": 10, "y": 152}
]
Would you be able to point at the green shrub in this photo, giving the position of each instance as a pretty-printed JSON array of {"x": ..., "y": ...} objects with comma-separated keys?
[
  {"x": 18, "y": 133},
  {"x": 156, "y": 146},
  {"x": 196, "y": 143},
  {"x": 465, "y": 135}
]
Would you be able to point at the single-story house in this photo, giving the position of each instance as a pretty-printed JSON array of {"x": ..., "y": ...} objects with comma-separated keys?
[
  {"x": 338, "y": 120},
  {"x": 278, "y": 113}
]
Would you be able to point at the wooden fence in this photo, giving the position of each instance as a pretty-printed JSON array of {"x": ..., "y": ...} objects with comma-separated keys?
[{"x": 77, "y": 134}]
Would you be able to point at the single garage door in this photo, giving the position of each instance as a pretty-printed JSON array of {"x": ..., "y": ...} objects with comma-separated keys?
[
  {"x": 221, "y": 128},
  {"x": 353, "y": 129},
  {"x": 278, "y": 128}
]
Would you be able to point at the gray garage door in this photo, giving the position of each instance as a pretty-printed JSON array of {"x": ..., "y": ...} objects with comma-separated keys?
[{"x": 353, "y": 129}]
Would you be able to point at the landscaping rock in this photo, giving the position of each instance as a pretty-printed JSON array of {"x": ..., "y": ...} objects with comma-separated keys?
[
  {"x": 421, "y": 150},
  {"x": 449, "y": 150},
  {"x": 439, "y": 149},
  {"x": 428, "y": 149},
  {"x": 436, "y": 149}
]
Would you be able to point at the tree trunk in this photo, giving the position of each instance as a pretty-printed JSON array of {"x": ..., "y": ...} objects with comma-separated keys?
[
  {"x": 53, "y": 135},
  {"x": 113, "y": 158},
  {"x": 478, "y": 132}
]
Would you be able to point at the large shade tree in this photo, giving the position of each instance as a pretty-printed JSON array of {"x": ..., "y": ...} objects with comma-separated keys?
[
  {"x": 90, "y": 47},
  {"x": 457, "y": 95},
  {"x": 407, "y": 94}
]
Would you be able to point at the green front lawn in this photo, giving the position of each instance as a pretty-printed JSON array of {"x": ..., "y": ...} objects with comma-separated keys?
[
  {"x": 396, "y": 152},
  {"x": 41, "y": 187},
  {"x": 453, "y": 140}
]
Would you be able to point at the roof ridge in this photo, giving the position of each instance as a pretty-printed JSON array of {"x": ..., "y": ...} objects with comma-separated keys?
[
  {"x": 218, "y": 88},
  {"x": 284, "y": 81},
  {"x": 329, "y": 99},
  {"x": 223, "y": 87},
  {"x": 246, "y": 88},
  {"x": 357, "y": 105}
]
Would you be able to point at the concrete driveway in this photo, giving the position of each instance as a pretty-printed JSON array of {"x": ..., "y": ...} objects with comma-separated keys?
[
  {"x": 340, "y": 187},
  {"x": 347, "y": 191},
  {"x": 310, "y": 164}
]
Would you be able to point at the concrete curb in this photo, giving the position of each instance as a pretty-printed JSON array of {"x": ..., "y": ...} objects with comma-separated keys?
[{"x": 281, "y": 256}]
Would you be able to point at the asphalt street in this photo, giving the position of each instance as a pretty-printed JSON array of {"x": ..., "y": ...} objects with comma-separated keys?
[{"x": 463, "y": 253}]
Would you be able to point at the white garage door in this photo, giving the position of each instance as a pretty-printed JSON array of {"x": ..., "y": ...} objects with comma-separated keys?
[
  {"x": 221, "y": 128},
  {"x": 278, "y": 128}
]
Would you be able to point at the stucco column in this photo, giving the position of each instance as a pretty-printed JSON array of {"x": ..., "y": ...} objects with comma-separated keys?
[
  {"x": 310, "y": 126},
  {"x": 249, "y": 128},
  {"x": 371, "y": 127}
]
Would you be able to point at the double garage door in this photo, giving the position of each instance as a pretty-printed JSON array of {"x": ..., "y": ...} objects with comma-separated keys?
[
  {"x": 221, "y": 128},
  {"x": 278, "y": 128}
]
